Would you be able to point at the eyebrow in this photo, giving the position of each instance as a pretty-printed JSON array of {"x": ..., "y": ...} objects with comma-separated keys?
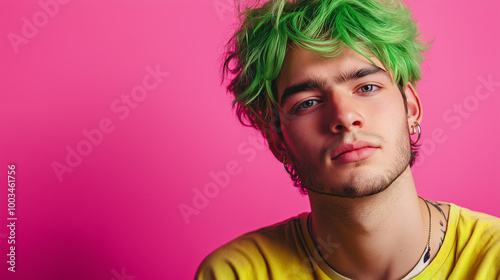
[{"x": 320, "y": 83}]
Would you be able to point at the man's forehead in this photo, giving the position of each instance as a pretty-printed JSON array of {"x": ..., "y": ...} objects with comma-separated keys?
[{"x": 296, "y": 57}]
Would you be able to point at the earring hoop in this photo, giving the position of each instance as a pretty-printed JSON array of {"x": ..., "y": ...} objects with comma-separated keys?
[
  {"x": 415, "y": 131},
  {"x": 286, "y": 167}
]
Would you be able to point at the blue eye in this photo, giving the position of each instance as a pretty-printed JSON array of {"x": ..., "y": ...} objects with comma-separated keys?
[
  {"x": 307, "y": 104},
  {"x": 368, "y": 88}
]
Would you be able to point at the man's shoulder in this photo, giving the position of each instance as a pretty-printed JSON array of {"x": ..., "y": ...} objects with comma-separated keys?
[
  {"x": 478, "y": 228},
  {"x": 253, "y": 250},
  {"x": 277, "y": 235},
  {"x": 477, "y": 222},
  {"x": 473, "y": 249}
]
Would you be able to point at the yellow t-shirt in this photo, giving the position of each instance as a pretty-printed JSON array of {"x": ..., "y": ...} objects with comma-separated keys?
[{"x": 471, "y": 250}]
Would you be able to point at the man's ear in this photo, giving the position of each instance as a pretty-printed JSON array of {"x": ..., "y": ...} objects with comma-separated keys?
[{"x": 413, "y": 105}]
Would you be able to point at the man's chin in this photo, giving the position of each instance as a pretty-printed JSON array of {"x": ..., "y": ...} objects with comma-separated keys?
[{"x": 356, "y": 185}]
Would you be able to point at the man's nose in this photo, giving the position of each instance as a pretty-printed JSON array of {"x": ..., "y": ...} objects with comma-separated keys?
[{"x": 345, "y": 114}]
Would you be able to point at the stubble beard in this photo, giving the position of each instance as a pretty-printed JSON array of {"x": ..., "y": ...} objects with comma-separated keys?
[{"x": 360, "y": 185}]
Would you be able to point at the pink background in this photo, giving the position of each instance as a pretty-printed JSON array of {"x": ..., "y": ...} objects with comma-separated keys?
[{"x": 116, "y": 214}]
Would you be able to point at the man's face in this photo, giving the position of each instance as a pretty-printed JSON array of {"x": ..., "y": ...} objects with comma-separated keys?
[{"x": 344, "y": 122}]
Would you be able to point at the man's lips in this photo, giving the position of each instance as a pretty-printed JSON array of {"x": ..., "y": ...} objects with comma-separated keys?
[{"x": 352, "y": 152}]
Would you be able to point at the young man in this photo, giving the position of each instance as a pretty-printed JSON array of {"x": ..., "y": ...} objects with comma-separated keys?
[{"x": 331, "y": 85}]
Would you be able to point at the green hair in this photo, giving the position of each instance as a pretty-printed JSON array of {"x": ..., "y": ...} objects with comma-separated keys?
[{"x": 256, "y": 52}]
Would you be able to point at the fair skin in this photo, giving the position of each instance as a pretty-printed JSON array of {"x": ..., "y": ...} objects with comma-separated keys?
[{"x": 346, "y": 131}]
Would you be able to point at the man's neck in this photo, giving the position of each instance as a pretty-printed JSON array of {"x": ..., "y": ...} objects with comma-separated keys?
[{"x": 381, "y": 236}]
